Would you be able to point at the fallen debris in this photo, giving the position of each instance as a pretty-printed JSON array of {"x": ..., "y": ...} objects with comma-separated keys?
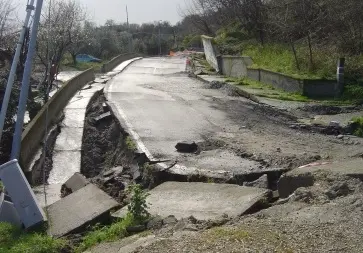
[
  {"x": 305, "y": 176},
  {"x": 186, "y": 147},
  {"x": 76, "y": 182},
  {"x": 103, "y": 116},
  {"x": 87, "y": 206},
  {"x": 262, "y": 182}
]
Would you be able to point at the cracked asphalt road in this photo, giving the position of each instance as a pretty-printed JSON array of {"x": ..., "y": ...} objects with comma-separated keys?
[{"x": 161, "y": 105}]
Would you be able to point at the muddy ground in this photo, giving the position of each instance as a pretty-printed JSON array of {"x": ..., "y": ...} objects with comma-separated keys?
[
  {"x": 270, "y": 136},
  {"x": 109, "y": 157}
]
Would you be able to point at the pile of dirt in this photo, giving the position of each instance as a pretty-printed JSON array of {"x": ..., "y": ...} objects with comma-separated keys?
[{"x": 104, "y": 144}]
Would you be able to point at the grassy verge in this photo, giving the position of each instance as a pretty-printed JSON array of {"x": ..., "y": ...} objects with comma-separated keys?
[
  {"x": 268, "y": 90},
  {"x": 137, "y": 215},
  {"x": 353, "y": 94},
  {"x": 67, "y": 63},
  {"x": 110, "y": 233},
  {"x": 358, "y": 126},
  {"x": 14, "y": 240},
  {"x": 279, "y": 58}
]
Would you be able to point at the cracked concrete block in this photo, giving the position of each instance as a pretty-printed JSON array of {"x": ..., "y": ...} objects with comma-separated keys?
[
  {"x": 203, "y": 201},
  {"x": 85, "y": 207}
]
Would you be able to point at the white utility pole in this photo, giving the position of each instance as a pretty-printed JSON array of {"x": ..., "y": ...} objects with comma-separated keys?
[
  {"x": 25, "y": 83},
  {"x": 10, "y": 83}
]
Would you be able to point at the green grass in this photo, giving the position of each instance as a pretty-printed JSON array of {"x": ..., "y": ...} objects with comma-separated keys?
[
  {"x": 358, "y": 126},
  {"x": 276, "y": 94},
  {"x": 1, "y": 186},
  {"x": 67, "y": 62},
  {"x": 14, "y": 240},
  {"x": 206, "y": 65},
  {"x": 110, "y": 233},
  {"x": 279, "y": 58},
  {"x": 131, "y": 145}
]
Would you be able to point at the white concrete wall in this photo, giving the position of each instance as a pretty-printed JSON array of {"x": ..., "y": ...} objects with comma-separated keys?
[
  {"x": 235, "y": 66},
  {"x": 210, "y": 52}
]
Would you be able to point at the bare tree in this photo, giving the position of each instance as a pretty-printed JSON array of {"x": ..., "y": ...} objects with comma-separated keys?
[
  {"x": 7, "y": 17},
  {"x": 59, "y": 30}
]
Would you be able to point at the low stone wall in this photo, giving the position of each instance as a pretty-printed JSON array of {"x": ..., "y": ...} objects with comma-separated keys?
[
  {"x": 235, "y": 66},
  {"x": 210, "y": 52},
  {"x": 34, "y": 133},
  {"x": 281, "y": 81},
  {"x": 109, "y": 66},
  {"x": 310, "y": 88}
]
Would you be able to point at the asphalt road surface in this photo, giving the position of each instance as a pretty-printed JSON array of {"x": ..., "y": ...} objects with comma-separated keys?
[{"x": 161, "y": 105}]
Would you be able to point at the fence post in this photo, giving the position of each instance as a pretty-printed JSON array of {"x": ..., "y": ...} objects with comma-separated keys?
[{"x": 340, "y": 77}]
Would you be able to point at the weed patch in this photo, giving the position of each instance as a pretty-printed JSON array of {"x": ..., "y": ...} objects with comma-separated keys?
[
  {"x": 131, "y": 145},
  {"x": 137, "y": 215},
  {"x": 110, "y": 233},
  {"x": 14, "y": 240},
  {"x": 358, "y": 126}
]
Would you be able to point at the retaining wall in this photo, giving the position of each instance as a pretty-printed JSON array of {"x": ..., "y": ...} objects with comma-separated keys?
[
  {"x": 34, "y": 133},
  {"x": 235, "y": 66},
  {"x": 109, "y": 66},
  {"x": 306, "y": 87},
  {"x": 210, "y": 52}
]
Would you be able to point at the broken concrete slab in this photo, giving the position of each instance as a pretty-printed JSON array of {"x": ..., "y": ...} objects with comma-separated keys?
[
  {"x": 76, "y": 182},
  {"x": 87, "y": 206},
  {"x": 304, "y": 176},
  {"x": 186, "y": 147},
  {"x": 262, "y": 182},
  {"x": 204, "y": 201}
]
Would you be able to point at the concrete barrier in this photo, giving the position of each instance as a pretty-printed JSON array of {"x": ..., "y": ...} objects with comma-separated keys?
[
  {"x": 109, "y": 66},
  {"x": 34, "y": 133},
  {"x": 235, "y": 66},
  {"x": 211, "y": 53}
]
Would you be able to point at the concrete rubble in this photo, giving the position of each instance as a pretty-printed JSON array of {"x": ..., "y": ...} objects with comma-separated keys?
[
  {"x": 304, "y": 176},
  {"x": 75, "y": 183},
  {"x": 186, "y": 147},
  {"x": 85, "y": 207}
]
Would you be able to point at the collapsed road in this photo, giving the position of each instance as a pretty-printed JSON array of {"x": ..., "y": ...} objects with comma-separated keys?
[
  {"x": 160, "y": 105},
  {"x": 205, "y": 136}
]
